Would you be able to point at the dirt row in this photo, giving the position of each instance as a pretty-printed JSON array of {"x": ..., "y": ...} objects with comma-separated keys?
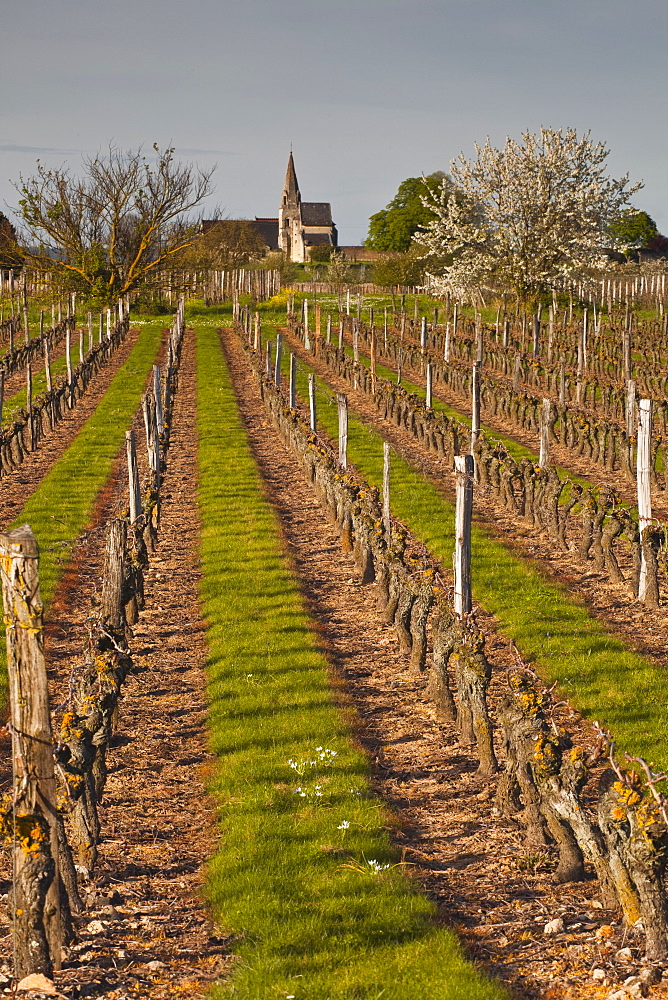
[{"x": 644, "y": 630}]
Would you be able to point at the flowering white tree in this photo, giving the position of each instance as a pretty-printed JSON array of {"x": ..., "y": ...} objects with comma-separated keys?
[{"x": 525, "y": 215}]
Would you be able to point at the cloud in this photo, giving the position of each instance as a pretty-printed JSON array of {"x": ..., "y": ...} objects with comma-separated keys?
[{"x": 10, "y": 147}]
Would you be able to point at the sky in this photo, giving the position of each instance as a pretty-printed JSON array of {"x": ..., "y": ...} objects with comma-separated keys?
[{"x": 366, "y": 93}]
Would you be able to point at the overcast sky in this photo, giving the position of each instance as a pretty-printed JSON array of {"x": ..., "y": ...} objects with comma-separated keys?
[{"x": 367, "y": 92}]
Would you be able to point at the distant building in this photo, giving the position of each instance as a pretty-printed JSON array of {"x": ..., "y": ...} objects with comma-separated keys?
[{"x": 300, "y": 224}]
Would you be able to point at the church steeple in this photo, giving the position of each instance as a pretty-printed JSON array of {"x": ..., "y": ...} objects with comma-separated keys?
[{"x": 291, "y": 195}]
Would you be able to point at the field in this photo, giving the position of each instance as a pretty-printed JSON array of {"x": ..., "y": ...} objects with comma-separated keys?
[{"x": 287, "y": 768}]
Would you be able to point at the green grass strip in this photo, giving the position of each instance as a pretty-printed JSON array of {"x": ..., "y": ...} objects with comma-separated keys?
[
  {"x": 310, "y": 927},
  {"x": 598, "y": 673},
  {"x": 62, "y": 506}
]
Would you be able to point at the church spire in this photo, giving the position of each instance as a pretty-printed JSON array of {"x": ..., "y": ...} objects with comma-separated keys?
[{"x": 291, "y": 189}]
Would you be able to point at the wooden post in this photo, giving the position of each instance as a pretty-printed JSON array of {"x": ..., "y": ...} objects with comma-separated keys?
[
  {"x": 101, "y": 328},
  {"x": 536, "y": 335},
  {"x": 423, "y": 334},
  {"x": 108, "y": 324},
  {"x": 311, "y": 402},
  {"x": 517, "y": 372},
  {"x": 631, "y": 408},
  {"x": 307, "y": 339},
  {"x": 643, "y": 474},
  {"x": 506, "y": 332},
  {"x": 329, "y": 328},
  {"x": 562, "y": 382},
  {"x": 157, "y": 397},
  {"x": 267, "y": 360},
  {"x": 429, "y": 386},
  {"x": 133, "y": 477},
  {"x": 463, "y": 512},
  {"x": 480, "y": 336},
  {"x": 385, "y": 327},
  {"x": 81, "y": 346},
  {"x": 372, "y": 362},
  {"x": 317, "y": 321},
  {"x": 31, "y": 425},
  {"x": 550, "y": 335},
  {"x": 475, "y": 403},
  {"x": 293, "y": 381},
  {"x": 90, "y": 332},
  {"x": 356, "y": 347},
  {"x": 68, "y": 359},
  {"x": 626, "y": 353},
  {"x": 113, "y": 611},
  {"x": 342, "y": 400},
  {"x": 47, "y": 364},
  {"x": 545, "y": 420},
  {"x": 446, "y": 349},
  {"x": 26, "y": 330},
  {"x": 387, "y": 520},
  {"x": 279, "y": 354},
  {"x": 38, "y": 926},
  {"x": 341, "y": 331}
]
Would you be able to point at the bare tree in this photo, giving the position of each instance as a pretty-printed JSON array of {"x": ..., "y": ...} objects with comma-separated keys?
[
  {"x": 111, "y": 229},
  {"x": 528, "y": 214}
]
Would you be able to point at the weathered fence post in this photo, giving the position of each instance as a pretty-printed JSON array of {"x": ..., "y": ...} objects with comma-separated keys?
[
  {"x": 293, "y": 381},
  {"x": 372, "y": 360},
  {"x": 279, "y": 355},
  {"x": 463, "y": 511},
  {"x": 68, "y": 358},
  {"x": 631, "y": 415},
  {"x": 446, "y": 347},
  {"x": 475, "y": 403},
  {"x": 267, "y": 360},
  {"x": 423, "y": 335},
  {"x": 311, "y": 401},
  {"x": 387, "y": 520},
  {"x": 113, "y": 613},
  {"x": 157, "y": 396},
  {"x": 307, "y": 339},
  {"x": 428, "y": 398},
  {"x": 33, "y": 821},
  {"x": 545, "y": 421},
  {"x": 133, "y": 477},
  {"x": 342, "y": 400},
  {"x": 643, "y": 472},
  {"x": 31, "y": 422}
]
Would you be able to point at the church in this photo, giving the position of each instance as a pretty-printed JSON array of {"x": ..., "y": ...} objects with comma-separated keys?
[{"x": 300, "y": 224}]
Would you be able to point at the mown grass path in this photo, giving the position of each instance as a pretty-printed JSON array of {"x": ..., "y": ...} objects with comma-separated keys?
[
  {"x": 601, "y": 676},
  {"x": 62, "y": 506},
  {"x": 305, "y": 873}
]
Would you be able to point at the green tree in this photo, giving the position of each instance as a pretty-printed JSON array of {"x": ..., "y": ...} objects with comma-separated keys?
[
  {"x": 393, "y": 228},
  {"x": 633, "y": 230},
  {"x": 399, "y": 269}
]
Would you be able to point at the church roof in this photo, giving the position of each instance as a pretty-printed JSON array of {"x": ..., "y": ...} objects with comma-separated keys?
[
  {"x": 291, "y": 188},
  {"x": 318, "y": 239},
  {"x": 316, "y": 213},
  {"x": 268, "y": 229}
]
